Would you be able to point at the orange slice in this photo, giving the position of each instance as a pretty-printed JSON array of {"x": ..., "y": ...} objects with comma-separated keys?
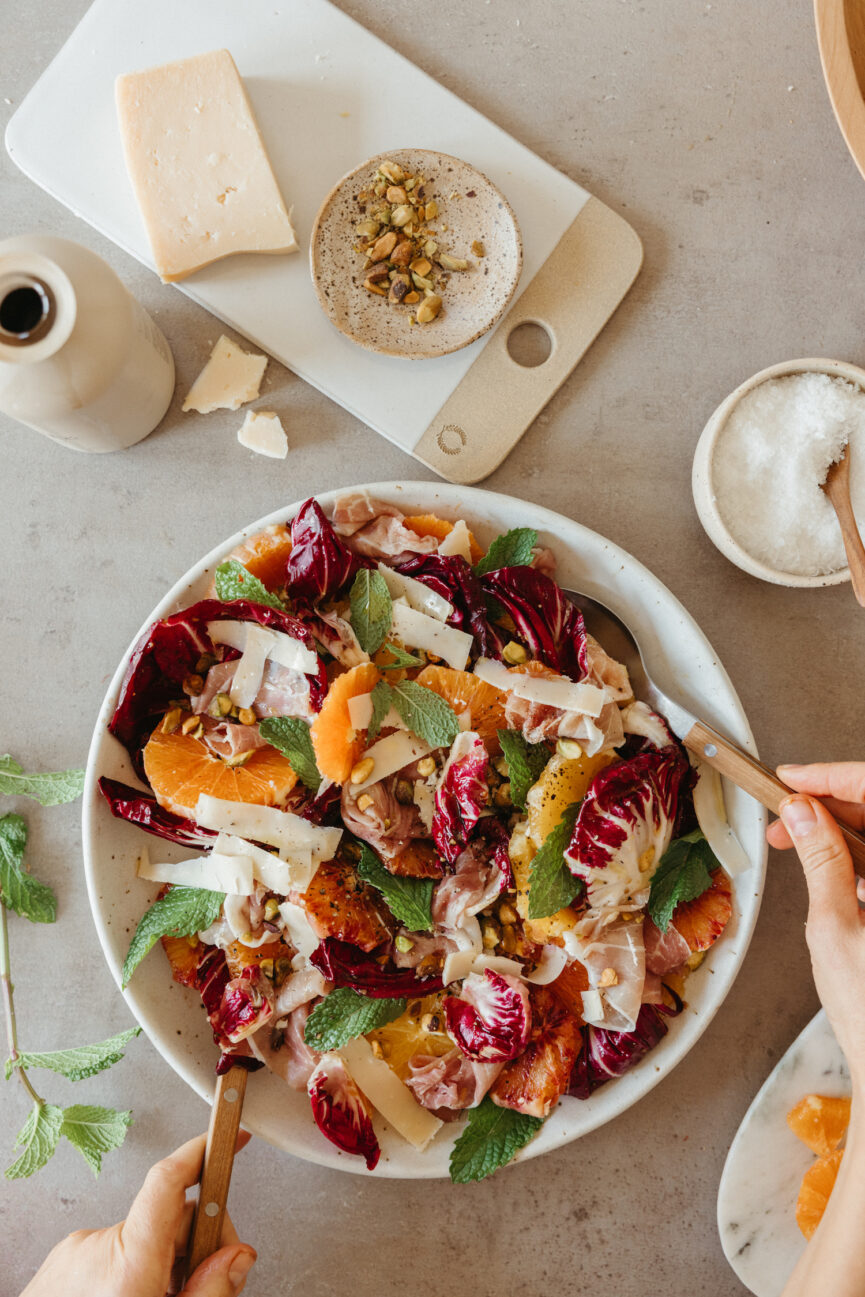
[
  {"x": 817, "y": 1185},
  {"x": 428, "y": 524},
  {"x": 820, "y": 1121},
  {"x": 339, "y": 905},
  {"x": 569, "y": 986},
  {"x": 265, "y": 555},
  {"x": 238, "y": 956},
  {"x": 184, "y": 956},
  {"x": 702, "y": 921},
  {"x": 420, "y": 1030},
  {"x": 336, "y": 743},
  {"x": 180, "y": 768},
  {"x": 418, "y": 860},
  {"x": 465, "y": 692}
]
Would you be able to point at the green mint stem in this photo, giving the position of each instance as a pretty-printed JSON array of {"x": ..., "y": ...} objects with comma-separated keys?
[{"x": 9, "y": 1006}]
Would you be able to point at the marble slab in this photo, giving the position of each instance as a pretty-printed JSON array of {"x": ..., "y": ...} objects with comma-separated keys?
[{"x": 766, "y": 1162}]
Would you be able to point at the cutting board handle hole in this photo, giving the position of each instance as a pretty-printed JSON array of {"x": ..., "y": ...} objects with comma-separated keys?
[{"x": 530, "y": 344}]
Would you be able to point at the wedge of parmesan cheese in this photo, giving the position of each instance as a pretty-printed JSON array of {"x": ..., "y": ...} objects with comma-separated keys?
[
  {"x": 217, "y": 872},
  {"x": 390, "y": 754},
  {"x": 457, "y": 541},
  {"x": 415, "y": 593},
  {"x": 417, "y": 630},
  {"x": 230, "y": 378},
  {"x": 564, "y": 694},
  {"x": 387, "y": 1094},
  {"x": 198, "y": 165},
  {"x": 281, "y": 829},
  {"x": 360, "y": 714},
  {"x": 262, "y": 431}
]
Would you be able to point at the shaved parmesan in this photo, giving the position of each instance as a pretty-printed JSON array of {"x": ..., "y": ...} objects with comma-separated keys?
[
  {"x": 300, "y": 933},
  {"x": 268, "y": 824},
  {"x": 246, "y": 683},
  {"x": 289, "y": 652},
  {"x": 457, "y": 542},
  {"x": 416, "y": 630},
  {"x": 551, "y": 964},
  {"x": 282, "y": 648},
  {"x": 460, "y": 963},
  {"x": 563, "y": 694},
  {"x": 424, "y": 798},
  {"x": 593, "y": 1007},
  {"x": 360, "y": 714},
  {"x": 216, "y": 872},
  {"x": 415, "y": 593},
  {"x": 391, "y": 754},
  {"x": 277, "y": 875},
  {"x": 388, "y": 1095},
  {"x": 712, "y": 818}
]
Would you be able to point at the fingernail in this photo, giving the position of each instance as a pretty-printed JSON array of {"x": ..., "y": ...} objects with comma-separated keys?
[
  {"x": 240, "y": 1268},
  {"x": 789, "y": 768},
  {"x": 798, "y": 816}
]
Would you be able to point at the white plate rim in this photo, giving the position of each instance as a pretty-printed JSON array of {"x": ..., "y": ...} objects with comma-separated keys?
[{"x": 573, "y": 543}]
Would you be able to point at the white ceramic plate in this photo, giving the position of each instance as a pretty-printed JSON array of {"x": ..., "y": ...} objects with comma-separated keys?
[
  {"x": 766, "y": 1162},
  {"x": 684, "y": 664}
]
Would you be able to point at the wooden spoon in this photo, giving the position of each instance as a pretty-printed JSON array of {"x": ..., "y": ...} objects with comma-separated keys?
[
  {"x": 205, "y": 1237},
  {"x": 837, "y": 487}
]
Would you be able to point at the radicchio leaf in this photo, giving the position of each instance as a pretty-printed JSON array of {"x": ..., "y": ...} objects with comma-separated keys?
[
  {"x": 546, "y": 621},
  {"x": 243, "y": 1007},
  {"x": 462, "y": 794},
  {"x": 141, "y": 808},
  {"x": 608, "y": 1054},
  {"x": 452, "y": 577},
  {"x": 340, "y": 1112},
  {"x": 346, "y": 965},
  {"x": 319, "y": 564},
  {"x": 168, "y": 651},
  {"x": 238, "y": 1058},
  {"x": 491, "y": 1019}
]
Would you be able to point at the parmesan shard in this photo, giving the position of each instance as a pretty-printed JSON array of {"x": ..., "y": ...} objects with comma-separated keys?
[
  {"x": 457, "y": 541},
  {"x": 415, "y": 593},
  {"x": 230, "y": 378},
  {"x": 287, "y": 832},
  {"x": 217, "y": 872},
  {"x": 417, "y": 630},
  {"x": 387, "y": 1093},
  {"x": 566, "y": 695},
  {"x": 391, "y": 754},
  {"x": 262, "y": 431},
  {"x": 198, "y": 165}
]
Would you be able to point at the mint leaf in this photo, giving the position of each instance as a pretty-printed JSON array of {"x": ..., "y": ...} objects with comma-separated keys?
[
  {"x": 408, "y": 899},
  {"x": 234, "y": 581},
  {"x": 552, "y": 886},
  {"x": 513, "y": 549},
  {"x": 401, "y": 659},
  {"x": 49, "y": 788},
  {"x": 382, "y": 701},
  {"x": 291, "y": 736},
  {"x": 683, "y": 874},
  {"x": 525, "y": 763},
  {"x": 425, "y": 713},
  {"x": 179, "y": 913},
  {"x": 491, "y": 1137},
  {"x": 94, "y": 1131},
  {"x": 371, "y": 609},
  {"x": 38, "y": 1137},
  {"x": 76, "y": 1064},
  {"x": 345, "y": 1014},
  {"x": 25, "y": 895}
]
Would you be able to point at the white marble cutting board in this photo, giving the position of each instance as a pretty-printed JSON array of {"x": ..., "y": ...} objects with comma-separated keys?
[{"x": 766, "y": 1162}]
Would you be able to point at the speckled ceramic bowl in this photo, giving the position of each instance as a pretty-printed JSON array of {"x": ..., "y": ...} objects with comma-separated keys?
[{"x": 471, "y": 209}]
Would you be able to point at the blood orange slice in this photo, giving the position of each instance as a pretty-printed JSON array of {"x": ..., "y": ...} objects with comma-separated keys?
[
  {"x": 418, "y": 860},
  {"x": 265, "y": 555},
  {"x": 534, "y": 1082},
  {"x": 428, "y": 524},
  {"x": 702, "y": 921},
  {"x": 339, "y": 905},
  {"x": 817, "y": 1185},
  {"x": 180, "y": 768},
  {"x": 465, "y": 692},
  {"x": 184, "y": 956},
  {"x": 238, "y": 956},
  {"x": 569, "y": 987},
  {"x": 820, "y": 1121},
  {"x": 337, "y": 744}
]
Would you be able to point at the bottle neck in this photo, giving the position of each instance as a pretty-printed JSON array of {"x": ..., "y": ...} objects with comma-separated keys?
[
  {"x": 28, "y": 310},
  {"x": 38, "y": 306}
]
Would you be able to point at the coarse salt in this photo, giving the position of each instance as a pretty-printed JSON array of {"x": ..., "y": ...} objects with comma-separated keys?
[{"x": 771, "y": 458}]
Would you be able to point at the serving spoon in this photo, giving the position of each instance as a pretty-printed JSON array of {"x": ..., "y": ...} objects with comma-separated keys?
[
  {"x": 837, "y": 488},
  {"x": 205, "y": 1236},
  {"x": 707, "y": 743}
]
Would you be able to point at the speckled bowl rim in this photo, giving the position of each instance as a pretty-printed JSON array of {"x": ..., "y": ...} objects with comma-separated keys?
[
  {"x": 702, "y": 484},
  {"x": 314, "y": 264}
]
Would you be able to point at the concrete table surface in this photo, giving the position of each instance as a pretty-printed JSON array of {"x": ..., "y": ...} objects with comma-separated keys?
[{"x": 708, "y": 126}]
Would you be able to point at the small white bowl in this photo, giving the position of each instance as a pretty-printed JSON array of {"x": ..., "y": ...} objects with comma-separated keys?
[{"x": 702, "y": 480}]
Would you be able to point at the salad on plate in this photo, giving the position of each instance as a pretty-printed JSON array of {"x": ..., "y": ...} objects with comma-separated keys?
[{"x": 443, "y": 866}]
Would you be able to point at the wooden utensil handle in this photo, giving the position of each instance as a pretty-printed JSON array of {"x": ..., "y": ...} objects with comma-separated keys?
[
  {"x": 206, "y": 1233},
  {"x": 756, "y": 778},
  {"x": 853, "y": 546}
]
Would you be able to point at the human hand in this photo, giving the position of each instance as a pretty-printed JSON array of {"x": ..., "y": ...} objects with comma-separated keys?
[
  {"x": 136, "y": 1257},
  {"x": 835, "y": 930}
]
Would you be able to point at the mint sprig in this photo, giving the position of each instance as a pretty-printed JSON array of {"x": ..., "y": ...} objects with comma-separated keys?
[
  {"x": 526, "y": 762},
  {"x": 424, "y": 712},
  {"x": 552, "y": 886},
  {"x": 94, "y": 1131},
  {"x": 18, "y": 889},
  {"x": 513, "y": 549},
  {"x": 402, "y": 659},
  {"x": 290, "y": 736},
  {"x": 179, "y": 913},
  {"x": 49, "y": 788},
  {"x": 408, "y": 899},
  {"x": 37, "y": 1138},
  {"x": 382, "y": 701},
  {"x": 491, "y": 1137},
  {"x": 684, "y": 873},
  {"x": 234, "y": 581},
  {"x": 346, "y": 1014},
  {"x": 78, "y": 1063},
  {"x": 371, "y": 609}
]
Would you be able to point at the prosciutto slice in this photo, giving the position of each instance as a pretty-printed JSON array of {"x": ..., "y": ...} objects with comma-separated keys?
[
  {"x": 451, "y": 1082},
  {"x": 283, "y": 692},
  {"x": 539, "y": 723},
  {"x": 664, "y": 950},
  {"x": 283, "y": 1049},
  {"x": 477, "y": 880},
  {"x": 615, "y": 950},
  {"x": 386, "y": 824},
  {"x": 601, "y": 669},
  {"x": 376, "y": 530}
]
